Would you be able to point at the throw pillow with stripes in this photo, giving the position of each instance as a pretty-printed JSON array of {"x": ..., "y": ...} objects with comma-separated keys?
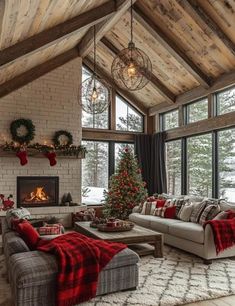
[{"x": 209, "y": 213}]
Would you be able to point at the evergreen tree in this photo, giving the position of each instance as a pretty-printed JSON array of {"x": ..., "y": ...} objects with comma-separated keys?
[
  {"x": 127, "y": 188},
  {"x": 131, "y": 122}
]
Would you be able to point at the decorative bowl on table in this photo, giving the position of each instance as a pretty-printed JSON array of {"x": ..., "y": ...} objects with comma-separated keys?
[
  {"x": 97, "y": 221},
  {"x": 116, "y": 226}
]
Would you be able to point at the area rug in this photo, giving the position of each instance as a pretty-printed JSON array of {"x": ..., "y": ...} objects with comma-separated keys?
[{"x": 178, "y": 278}]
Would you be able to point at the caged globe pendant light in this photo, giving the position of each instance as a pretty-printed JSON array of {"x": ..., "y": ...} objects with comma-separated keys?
[
  {"x": 95, "y": 96},
  {"x": 131, "y": 68}
]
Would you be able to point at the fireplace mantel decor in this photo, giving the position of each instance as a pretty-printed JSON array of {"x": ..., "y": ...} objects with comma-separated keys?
[{"x": 37, "y": 191}]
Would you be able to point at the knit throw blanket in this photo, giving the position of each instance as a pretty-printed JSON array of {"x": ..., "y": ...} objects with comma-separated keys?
[
  {"x": 224, "y": 233},
  {"x": 80, "y": 259}
]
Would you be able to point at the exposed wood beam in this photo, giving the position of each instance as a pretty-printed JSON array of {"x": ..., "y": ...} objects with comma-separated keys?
[
  {"x": 221, "y": 83},
  {"x": 193, "y": 8},
  {"x": 86, "y": 44},
  {"x": 39, "y": 40},
  {"x": 203, "y": 126},
  {"x": 96, "y": 134},
  {"x": 161, "y": 88},
  {"x": 171, "y": 47},
  {"x": 126, "y": 94},
  {"x": 37, "y": 72}
]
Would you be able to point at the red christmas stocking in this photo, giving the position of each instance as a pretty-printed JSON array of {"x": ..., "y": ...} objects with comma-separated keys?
[
  {"x": 51, "y": 156},
  {"x": 23, "y": 157}
]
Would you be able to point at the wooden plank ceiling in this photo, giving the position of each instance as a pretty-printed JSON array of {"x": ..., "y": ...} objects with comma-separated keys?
[{"x": 191, "y": 43}]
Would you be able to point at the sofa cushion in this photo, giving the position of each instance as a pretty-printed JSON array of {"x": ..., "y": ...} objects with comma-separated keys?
[
  {"x": 187, "y": 230},
  {"x": 161, "y": 224},
  {"x": 33, "y": 268},
  {"x": 142, "y": 220},
  {"x": 14, "y": 244},
  {"x": 126, "y": 257}
]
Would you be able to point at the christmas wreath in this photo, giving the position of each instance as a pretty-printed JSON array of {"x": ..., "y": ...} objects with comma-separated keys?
[
  {"x": 30, "y": 130},
  {"x": 57, "y": 141}
]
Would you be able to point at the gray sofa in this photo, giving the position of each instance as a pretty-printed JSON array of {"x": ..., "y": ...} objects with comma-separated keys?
[
  {"x": 32, "y": 274},
  {"x": 188, "y": 236}
]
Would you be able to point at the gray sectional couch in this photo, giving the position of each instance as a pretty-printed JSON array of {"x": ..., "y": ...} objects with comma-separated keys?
[
  {"x": 32, "y": 274},
  {"x": 188, "y": 236}
]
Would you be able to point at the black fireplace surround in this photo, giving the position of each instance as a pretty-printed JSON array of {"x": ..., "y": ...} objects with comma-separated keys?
[{"x": 37, "y": 191}]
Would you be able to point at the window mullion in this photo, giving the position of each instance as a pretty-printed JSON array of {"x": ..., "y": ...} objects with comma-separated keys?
[
  {"x": 215, "y": 172},
  {"x": 184, "y": 165}
]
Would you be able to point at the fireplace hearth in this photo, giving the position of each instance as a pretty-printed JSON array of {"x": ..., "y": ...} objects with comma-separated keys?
[{"x": 37, "y": 191}]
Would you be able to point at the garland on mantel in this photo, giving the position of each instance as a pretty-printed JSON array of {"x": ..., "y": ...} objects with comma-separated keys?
[{"x": 48, "y": 151}]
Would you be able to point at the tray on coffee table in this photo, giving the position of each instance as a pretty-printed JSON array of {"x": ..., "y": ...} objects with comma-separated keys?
[{"x": 137, "y": 236}]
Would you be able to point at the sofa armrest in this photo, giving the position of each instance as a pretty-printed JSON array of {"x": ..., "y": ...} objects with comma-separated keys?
[{"x": 136, "y": 209}]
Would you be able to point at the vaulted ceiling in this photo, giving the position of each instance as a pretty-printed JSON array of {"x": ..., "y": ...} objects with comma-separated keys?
[{"x": 191, "y": 43}]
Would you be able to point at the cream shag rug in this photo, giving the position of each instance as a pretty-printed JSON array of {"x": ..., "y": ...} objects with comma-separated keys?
[{"x": 176, "y": 279}]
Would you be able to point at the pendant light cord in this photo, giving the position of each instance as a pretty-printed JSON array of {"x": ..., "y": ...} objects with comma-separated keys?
[
  {"x": 94, "y": 51},
  {"x": 131, "y": 22}
]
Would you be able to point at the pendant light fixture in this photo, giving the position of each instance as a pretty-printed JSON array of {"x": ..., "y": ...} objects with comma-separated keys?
[
  {"x": 95, "y": 96},
  {"x": 131, "y": 68}
]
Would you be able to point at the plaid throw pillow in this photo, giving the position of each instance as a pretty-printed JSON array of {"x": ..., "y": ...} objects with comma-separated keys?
[
  {"x": 197, "y": 211},
  {"x": 209, "y": 213},
  {"x": 179, "y": 203},
  {"x": 148, "y": 208},
  {"x": 160, "y": 212}
]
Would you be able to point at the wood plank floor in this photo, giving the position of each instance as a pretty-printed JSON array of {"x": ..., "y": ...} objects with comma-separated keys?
[{"x": 224, "y": 301}]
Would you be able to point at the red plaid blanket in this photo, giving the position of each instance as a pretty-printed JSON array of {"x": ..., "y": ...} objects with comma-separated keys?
[
  {"x": 80, "y": 259},
  {"x": 224, "y": 233}
]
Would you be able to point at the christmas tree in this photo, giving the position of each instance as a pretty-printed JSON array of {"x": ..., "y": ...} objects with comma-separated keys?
[{"x": 127, "y": 188}]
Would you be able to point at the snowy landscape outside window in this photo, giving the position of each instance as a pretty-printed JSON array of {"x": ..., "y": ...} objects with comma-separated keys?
[
  {"x": 173, "y": 167},
  {"x": 127, "y": 118},
  {"x": 225, "y": 101},
  {"x": 95, "y": 172},
  {"x": 199, "y": 165},
  {"x": 170, "y": 120},
  {"x": 197, "y": 111},
  {"x": 226, "y": 162},
  {"x": 97, "y": 121}
]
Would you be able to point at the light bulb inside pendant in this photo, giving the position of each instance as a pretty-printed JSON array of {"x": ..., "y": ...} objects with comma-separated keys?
[
  {"x": 94, "y": 95},
  {"x": 131, "y": 70}
]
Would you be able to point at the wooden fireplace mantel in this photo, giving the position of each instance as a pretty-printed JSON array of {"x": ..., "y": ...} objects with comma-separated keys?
[{"x": 34, "y": 153}]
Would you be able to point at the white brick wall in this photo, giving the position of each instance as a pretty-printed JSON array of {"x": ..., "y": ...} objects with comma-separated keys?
[{"x": 51, "y": 102}]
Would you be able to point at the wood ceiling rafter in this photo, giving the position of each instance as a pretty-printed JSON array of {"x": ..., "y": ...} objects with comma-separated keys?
[
  {"x": 126, "y": 94},
  {"x": 36, "y": 72},
  {"x": 224, "y": 81},
  {"x": 161, "y": 88},
  {"x": 171, "y": 47},
  {"x": 86, "y": 44},
  {"x": 86, "y": 19},
  {"x": 193, "y": 8}
]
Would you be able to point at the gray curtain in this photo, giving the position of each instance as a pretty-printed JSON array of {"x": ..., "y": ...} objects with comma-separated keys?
[{"x": 150, "y": 151}]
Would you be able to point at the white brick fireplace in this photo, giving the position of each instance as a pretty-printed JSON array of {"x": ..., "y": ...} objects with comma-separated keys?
[{"x": 51, "y": 102}]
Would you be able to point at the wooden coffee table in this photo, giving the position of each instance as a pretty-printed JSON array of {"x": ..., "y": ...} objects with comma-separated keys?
[{"x": 142, "y": 240}]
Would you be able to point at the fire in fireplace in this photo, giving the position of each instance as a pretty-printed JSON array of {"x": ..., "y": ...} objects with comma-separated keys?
[{"x": 37, "y": 191}]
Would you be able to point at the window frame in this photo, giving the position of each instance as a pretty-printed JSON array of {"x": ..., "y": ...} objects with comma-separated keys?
[
  {"x": 186, "y": 111},
  {"x": 131, "y": 107},
  {"x": 162, "y": 121},
  {"x": 216, "y": 104},
  {"x": 111, "y": 153}
]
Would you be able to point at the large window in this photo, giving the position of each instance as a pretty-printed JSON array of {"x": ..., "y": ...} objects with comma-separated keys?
[
  {"x": 197, "y": 111},
  {"x": 199, "y": 165},
  {"x": 173, "y": 167},
  {"x": 100, "y": 162},
  {"x": 225, "y": 101},
  {"x": 95, "y": 171},
  {"x": 226, "y": 162},
  {"x": 98, "y": 121},
  {"x": 127, "y": 118},
  {"x": 170, "y": 120}
]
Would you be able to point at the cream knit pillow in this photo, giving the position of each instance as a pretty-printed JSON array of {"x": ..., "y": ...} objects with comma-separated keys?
[{"x": 185, "y": 212}]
